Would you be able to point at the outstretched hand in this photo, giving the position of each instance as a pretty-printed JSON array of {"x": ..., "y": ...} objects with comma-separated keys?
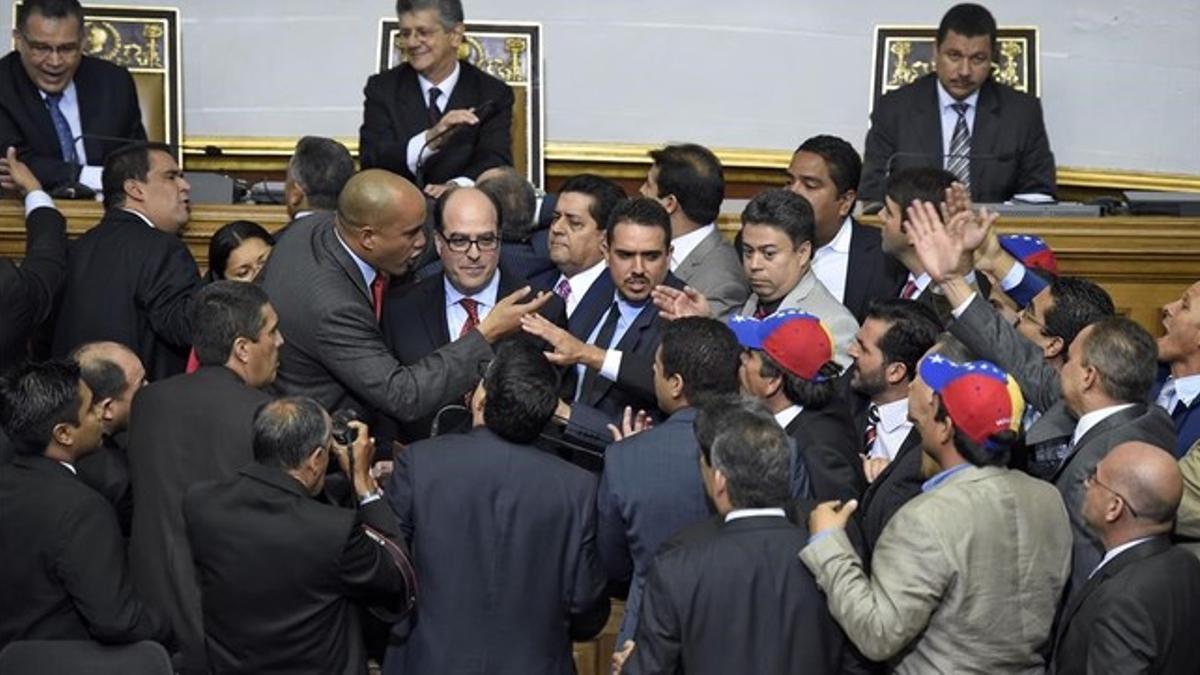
[
  {"x": 505, "y": 317},
  {"x": 566, "y": 349},
  {"x": 937, "y": 245},
  {"x": 631, "y": 424},
  {"x": 674, "y": 304}
]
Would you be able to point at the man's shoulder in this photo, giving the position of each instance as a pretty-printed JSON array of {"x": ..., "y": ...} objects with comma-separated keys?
[
  {"x": 392, "y": 77},
  {"x": 490, "y": 85},
  {"x": 201, "y": 385},
  {"x": 91, "y": 67},
  {"x": 1006, "y": 96},
  {"x": 916, "y": 92}
]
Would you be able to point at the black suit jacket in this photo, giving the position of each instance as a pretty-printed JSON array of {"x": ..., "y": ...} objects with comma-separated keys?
[
  {"x": 826, "y": 439},
  {"x": 891, "y": 489},
  {"x": 504, "y": 539},
  {"x": 62, "y": 562},
  {"x": 414, "y": 326},
  {"x": 108, "y": 106},
  {"x": 870, "y": 273},
  {"x": 395, "y": 110},
  {"x": 183, "y": 430},
  {"x": 27, "y": 291},
  {"x": 737, "y": 574},
  {"x": 133, "y": 284},
  {"x": 1137, "y": 614},
  {"x": 106, "y": 470},
  {"x": 1010, "y": 151},
  {"x": 244, "y": 531}
]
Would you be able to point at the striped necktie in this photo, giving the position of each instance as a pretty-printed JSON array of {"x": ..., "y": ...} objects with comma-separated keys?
[{"x": 957, "y": 160}]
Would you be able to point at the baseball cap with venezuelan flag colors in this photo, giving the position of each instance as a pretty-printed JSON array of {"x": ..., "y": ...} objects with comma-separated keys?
[
  {"x": 981, "y": 399},
  {"x": 795, "y": 340}
]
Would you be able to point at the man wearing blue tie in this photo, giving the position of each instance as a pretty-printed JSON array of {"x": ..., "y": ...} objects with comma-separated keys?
[{"x": 1178, "y": 388}]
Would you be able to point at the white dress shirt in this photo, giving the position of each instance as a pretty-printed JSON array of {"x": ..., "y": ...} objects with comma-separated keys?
[
  {"x": 950, "y": 118},
  {"x": 612, "y": 356},
  {"x": 754, "y": 513},
  {"x": 683, "y": 245},
  {"x": 1178, "y": 390},
  {"x": 831, "y": 262},
  {"x": 36, "y": 200},
  {"x": 1114, "y": 552},
  {"x": 892, "y": 430},
  {"x": 1093, "y": 418},
  {"x": 417, "y": 142},
  {"x": 456, "y": 314},
  {"x": 784, "y": 417},
  {"x": 580, "y": 283}
]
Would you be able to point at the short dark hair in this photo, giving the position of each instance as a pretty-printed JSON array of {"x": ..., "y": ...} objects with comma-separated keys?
[
  {"x": 605, "y": 195},
  {"x": 51, "y": 9},
  {"x": 36, "y": 397},
  {"x": 927, "y": 184},
  {"x": 515, "y": 201},
  {"x": 968, "y": 20},
  {"x": 705, "y": 353},
  {"x": 222, "y": 312},
  {"x": 127, "y": 162},
  {"x": 1125, "y": 356},
  {"x": 813, "y": 394},
  {"x": 1078, "y": 303},
  {"x": 995, "y": 451},
  {"x": 913, "y": 328},
  {"x": 287, "y": 430},
  {"x": 521, "y": 388},
  {"x": 841, "y": 160},
  {"x": 639, "y": 211},
  {"x": 450, "y": 12},
  {"x": 229, "y": 237},
  {"x": 693, "y": 174},
  {"x": 755, "y": 455},
  {"x": 713, "y": 415},
  {"x": 783, "y": 210},
  {"x": 102, "y": 375},
  {"x": 321, "y": 166}
]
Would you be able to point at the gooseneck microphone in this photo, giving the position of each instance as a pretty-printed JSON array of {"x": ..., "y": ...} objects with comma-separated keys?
[{"x": 483, "y": 111}]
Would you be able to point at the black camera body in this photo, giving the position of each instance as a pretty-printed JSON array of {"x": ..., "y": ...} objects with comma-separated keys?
[{"x": 343, "y": 433}]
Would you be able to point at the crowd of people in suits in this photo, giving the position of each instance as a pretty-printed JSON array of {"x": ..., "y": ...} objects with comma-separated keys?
[{"x": 438, "y": 422}]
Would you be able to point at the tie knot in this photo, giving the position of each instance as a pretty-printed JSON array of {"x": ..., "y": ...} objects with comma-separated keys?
[
  {"x": 563, "y": 289},
  {"x": 873, "y": 414},
  {"x": 53, "y": 99},
  {"x": 960, "y": 108},
  {"x": 434, "y": 93},
  {"x": 472, "y": 306}
]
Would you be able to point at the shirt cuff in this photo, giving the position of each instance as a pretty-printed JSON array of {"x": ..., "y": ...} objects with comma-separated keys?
[
  {"x": 36, "y": 200},
  {"x": 612, "y": 364},
  {"x": 463, "y": 181},
  {"x": 373, "y": 497},
  {"x": 414, "y": 151},
  {"x": 958, "y": 311},
  {"x": 1014, "y": 277},
  {"x": 819, "y": 536},
  {"x": 90, "y": 176}
]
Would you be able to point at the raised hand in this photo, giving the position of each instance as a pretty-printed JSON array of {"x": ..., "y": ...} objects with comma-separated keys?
[
  {"x": 505, "y": 317},
  {"x": 567, "y": 350},
  {"x": 674, "y": 304},
  {"x": 936, "y": 246},
  {"x": 631, "y": 424},
  {"x": 15, "y": 174}
]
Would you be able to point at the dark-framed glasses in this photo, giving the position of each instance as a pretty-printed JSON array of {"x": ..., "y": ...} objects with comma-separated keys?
[{"x": 460, "y": 244}]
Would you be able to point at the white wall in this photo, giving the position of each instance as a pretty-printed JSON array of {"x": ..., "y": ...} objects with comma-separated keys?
[{"x": 1120, "y": 78}]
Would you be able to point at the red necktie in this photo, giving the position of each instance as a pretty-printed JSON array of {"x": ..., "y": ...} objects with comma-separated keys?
[
  {"x": 910, "y": 289},
  {"x": 472, "y": 307},
  {"x": 760, "y": 312},
  {"x": 871, "y": 431},
  {"x": 377, "y": 287}
]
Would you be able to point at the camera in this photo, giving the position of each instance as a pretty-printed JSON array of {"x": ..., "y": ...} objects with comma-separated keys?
[{"x": 343, "y": 433}]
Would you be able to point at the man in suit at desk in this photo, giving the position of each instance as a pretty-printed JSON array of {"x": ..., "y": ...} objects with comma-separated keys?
[
  {"x": 51, "y": 95},
  {"x": 687, "y": 180},
  {"x": 1139, "y": 606},
  {"x": 419, "y": 118},
  {"x": 990, "y": 136}
]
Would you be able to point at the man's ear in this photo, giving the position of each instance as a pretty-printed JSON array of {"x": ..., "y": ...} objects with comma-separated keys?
[
  {"x": 895, "y": 372},
  {"x": 241, "y": 349},
  {"x": 773, "y": 385},
  {"x": 106, "y": 408},
  {"x": 670, "y": 203},
  {"x": 846, "y": 203},
  {"x": 805, "y": 251},
  {"x": 293, "y": 194},
  {"x": 63, "y": 434},
  {"x": 1054, "y": 348},
  {"x": 675, "y": 385},
  {"x": 134, "y": 190}
]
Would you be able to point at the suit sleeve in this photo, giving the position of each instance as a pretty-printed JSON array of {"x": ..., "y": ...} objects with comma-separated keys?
[
  {"x": 378, "y": 144},
  {"x": 610, "y": 530},
  {"x": 365, "y": 569},
  {"x": 589, "y": 600},
  {"x": 27, "y": 294},
  {"x": 658, "y": 642},
  {"x": 91, "y": 565},
  {"x": 133, "y": 127},
  {"x": 165, "y": 289},
  {"x": 984, "y": 332},
  {"x": 493, "y": 146},
  {"x": 1036, "y": 172},
  {"x": 879, "y": 146}
]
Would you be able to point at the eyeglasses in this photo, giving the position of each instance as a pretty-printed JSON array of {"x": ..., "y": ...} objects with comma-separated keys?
[
  {"x": 1028, "y": 315},
  {"x": 42, "y": 50},
  {"x": 422, "y": 34},
  {"x": 460, "y": 244},
  {"x": 1090, "y": 479}
]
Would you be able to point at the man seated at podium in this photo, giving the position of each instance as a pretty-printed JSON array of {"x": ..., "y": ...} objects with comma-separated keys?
[
  {"x": 990, "y": 136},
  {"x": 434, "y": 119},
  {"x": 63, "y": 111}
]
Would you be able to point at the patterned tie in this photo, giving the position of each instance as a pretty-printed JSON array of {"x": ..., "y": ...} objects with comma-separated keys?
[
  {"x": 66, "y": 142},
  {"x": 910, "y": 289},
  {"x": 472, "y": 307},
  {"x": 871, "y": 432},
  {"x": 563, "y": 289},
  {"x": 957, "y": 160},
  {"x": 603, "y": 339},
  {"x": 435, "y": 113},
  {"x": 377, "y": 288}
]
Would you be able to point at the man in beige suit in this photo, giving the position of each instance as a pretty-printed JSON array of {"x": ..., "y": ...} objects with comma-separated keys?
[
  {"x": 1187, "y": 519},
  {"x": 967, "y": 575}
]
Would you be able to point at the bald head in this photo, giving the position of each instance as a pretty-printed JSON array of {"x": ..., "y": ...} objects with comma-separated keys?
[
  {"x": 114, "y": 374},
  {"x": 467, "y": 204},
  {"x": 380, "y": 216},
  {"x": 1149, "y": 476},
  {"x": 469, "y": 245}
]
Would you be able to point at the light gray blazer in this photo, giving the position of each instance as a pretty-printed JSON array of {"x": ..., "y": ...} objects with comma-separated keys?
[
  {"x": 714, "y": 269},
  {"x": 810, "y": 295}
]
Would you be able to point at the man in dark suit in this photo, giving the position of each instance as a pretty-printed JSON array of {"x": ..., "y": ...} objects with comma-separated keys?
[
  {"x": 421, "y": 318},
  {"x": 504, "y": 536},
  {"x": 687, "y": 180},
  {"x": 736, "y": 573},
  {"x": 1178, "y": 389},
  {"x": 246, "y": 529},
  {"x": 420, "y": 118},
  {"x": 192, "y": 428},
  {"x": 1137, "y": 611},
  {"x": 335, "y": 352},
  {"x": 894, "y": 336},
  {"x": 130, "y": 279},
  {"x": 651, "y": 486},
  {"x": 990, "y": 136},
  {"x": 27, "y": 291},
  {"x": 788, "y": 364},
  {"x": 51, "y": 95},
  {"x": 114, "y": 374},
  {"x": 847, "y": 256},
  {"x": 62, "y": 563},
  {"x": 526, "y": 250}
]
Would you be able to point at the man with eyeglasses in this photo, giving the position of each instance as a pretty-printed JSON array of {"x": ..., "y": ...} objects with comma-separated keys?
[
  {"x": 56, "y": 104},
  {"x": 425, "y": 119},
  {"x": 1138, "y": 604},
  {"x": 421, "y": 318}
]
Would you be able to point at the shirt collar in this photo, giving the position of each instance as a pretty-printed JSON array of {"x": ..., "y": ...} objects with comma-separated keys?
[
  {"x": 69, "y": 95},
  {"x": 1114, "y": 552},
  {"x": 141, "y": 215},
  {"x": 841, "y": 241},
  {"x": 784, "y": 417},
  {"x": 485, "y": 296},
  {"x": 584, "y": 280},
  {"x": 945, "y": 100},
  {"x": 446, "y": 86},
  {"x": 893, "y": 415},
  {"x": 368, "y": 272},
  {"x": 1093, "y": 418},
  {"x": 754, "y": 513},
  {"x": 683, "y": 245},
  {"x": 1187, "y": 388},
  {"x": 943, "y": 476},
  {"x": 70, "y": 467}
]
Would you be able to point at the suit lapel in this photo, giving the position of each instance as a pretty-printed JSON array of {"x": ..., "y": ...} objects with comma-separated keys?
[
  {"x": 36, "y": 107},
  {"x": 912, "y": 443},
  {"x": 87, "y": 114},
  {"x": 433, "y": 312},
  {"x": 628, "y": 343},
  {"x": 859, "y": 266},
  {"x": 928, "y": 127},
  {"x": 410, "y": 101},
  {"x": 985, "y": 132},
  {"x": 597, "y": 299},
  {"x": 327, "y": 239},
  {"x": 1126, "y": 558}
]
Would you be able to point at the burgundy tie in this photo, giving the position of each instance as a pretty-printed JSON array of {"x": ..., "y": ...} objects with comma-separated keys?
[
  {"x": 910, "y": 289},
  {"x": 761, "y": 312},
  {"x": 871, "y": 432},
  {"x": 472, "y": 307},
  {"x": 377, "y": 288},
  {"x": 563, "y": 289}
]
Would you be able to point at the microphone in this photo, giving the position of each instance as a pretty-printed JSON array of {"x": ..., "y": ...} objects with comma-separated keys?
[{"x": 483, "y": 111}]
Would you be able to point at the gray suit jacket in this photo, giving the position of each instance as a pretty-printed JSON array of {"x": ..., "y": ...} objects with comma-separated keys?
[
  {"x": 964, "y": 579},
  {"x": 333, "y": 348},
  {"x": 810, "y": 295},
  {"x": 714, "y": 269}
]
